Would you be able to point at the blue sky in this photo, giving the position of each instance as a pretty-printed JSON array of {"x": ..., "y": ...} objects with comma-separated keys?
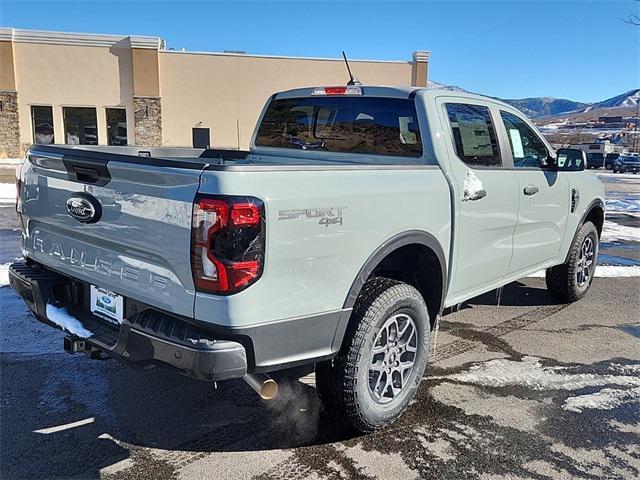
[{"x": 579, "y": 50}]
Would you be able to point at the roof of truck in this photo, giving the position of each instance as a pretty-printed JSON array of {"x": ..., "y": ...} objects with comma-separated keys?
[{"x": 390, "y": 91}]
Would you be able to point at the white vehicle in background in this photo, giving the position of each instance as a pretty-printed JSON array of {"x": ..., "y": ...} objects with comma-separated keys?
[{"x": 601, "y": 148}]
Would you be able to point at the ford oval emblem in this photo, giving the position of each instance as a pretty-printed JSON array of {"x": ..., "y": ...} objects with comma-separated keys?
[{"x": 84, "y": 207}]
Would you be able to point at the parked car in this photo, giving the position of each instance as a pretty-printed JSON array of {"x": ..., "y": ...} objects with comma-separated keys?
[
  {"x": 627, "y": 163},
  {"x": 595, "y": 160},
  {"x": 357, "y": 216},
  {"x": 610, "y": 159}
]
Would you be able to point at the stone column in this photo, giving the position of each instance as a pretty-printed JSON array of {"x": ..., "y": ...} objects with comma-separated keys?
[
  {"x": 9, "y": 121},
  {"x": 147, "y": 118},
  {"x": 9, "y": 126},
  {"x": 420, "y": 68},
  {"x": 147, "y": 107}
]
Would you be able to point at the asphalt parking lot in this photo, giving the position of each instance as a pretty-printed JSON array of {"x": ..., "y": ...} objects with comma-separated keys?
[{"x": 518, "y": 386}]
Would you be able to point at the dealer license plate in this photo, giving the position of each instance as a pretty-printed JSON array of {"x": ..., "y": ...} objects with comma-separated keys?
[{"x": 107, "y": 305}]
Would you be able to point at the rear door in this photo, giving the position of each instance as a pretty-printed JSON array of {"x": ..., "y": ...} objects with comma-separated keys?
[
  {"x": 139, "y": 244},
  {"x": 544, "y": 195},
  {"x": 486, "y": 196}
]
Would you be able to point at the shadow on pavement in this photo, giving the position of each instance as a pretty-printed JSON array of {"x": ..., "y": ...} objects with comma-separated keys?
[
  {"x": 515, "y": 294},
  {"x": 156, "y": 409}
]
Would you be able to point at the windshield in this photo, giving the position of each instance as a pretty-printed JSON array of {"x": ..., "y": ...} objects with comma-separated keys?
[{"x": 377, "y": 126}]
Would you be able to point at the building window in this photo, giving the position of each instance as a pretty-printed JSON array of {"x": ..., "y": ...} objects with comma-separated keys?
[
  {"x": 117, "y": 126},
  {"x": 80, "y": 126},
  {"x": 42, "y": 118},
  {"x": 474, "y": 134}
]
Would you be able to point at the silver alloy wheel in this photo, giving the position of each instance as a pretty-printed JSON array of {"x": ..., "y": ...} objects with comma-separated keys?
[
  {"x": 394, "y": 354},
  {"x": 584, "y": 269}
]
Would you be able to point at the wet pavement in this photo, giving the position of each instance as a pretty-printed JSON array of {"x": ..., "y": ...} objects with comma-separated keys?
[{"x": 527, "y": 389}]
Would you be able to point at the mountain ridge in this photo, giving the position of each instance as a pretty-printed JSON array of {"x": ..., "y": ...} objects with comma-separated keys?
[{"x": 537, "y": 107}]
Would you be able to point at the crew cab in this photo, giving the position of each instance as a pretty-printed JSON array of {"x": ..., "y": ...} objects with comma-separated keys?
[{"x": 357, "y": 216}]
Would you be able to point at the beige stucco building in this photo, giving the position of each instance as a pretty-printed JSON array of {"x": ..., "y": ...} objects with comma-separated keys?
[{"x": 117, "y": 90}]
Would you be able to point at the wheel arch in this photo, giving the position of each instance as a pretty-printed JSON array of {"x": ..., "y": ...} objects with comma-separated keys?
[
  {"x": 595, "y": 214},
  {"x": 428, "y": 274}
]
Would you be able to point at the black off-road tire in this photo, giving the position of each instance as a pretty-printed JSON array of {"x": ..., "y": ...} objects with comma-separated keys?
[
  {"x": 343, "y": 383},
  {"x": 562, "y": 279}
]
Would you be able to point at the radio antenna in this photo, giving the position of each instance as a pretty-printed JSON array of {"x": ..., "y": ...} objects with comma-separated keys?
[{"x": 353, "y": 80}]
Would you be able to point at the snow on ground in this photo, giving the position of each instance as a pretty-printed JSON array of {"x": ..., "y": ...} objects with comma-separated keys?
[
  {"x": 7, "y": 193},
  {"x": 4, "y": 274},
  {"x": 530, "y": 373},
  {"x": 622, "y": 205},
  {"x": 619, "y": 176},
  {"x": 605, "y": 399},
  {"x": 614, "y": 232},
  {"x": 11, "y": 161},
  {"x": 605, "y": 271}
]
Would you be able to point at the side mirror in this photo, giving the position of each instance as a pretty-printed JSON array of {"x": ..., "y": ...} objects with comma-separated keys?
[{"x": 571, "y": 160}]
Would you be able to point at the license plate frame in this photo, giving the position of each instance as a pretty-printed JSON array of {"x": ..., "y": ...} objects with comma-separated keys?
[{"x": 107, "y": 304}]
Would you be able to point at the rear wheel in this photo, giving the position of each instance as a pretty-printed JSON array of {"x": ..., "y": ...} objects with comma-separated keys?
[
  {"x": 571, "y": 280},
  {"x": 384, "y": 353}
]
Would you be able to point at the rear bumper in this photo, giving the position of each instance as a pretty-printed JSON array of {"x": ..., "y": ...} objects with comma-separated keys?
[{"x": 146, "y": 338}]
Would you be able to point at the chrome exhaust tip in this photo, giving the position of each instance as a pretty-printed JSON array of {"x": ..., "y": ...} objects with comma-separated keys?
[{"x": 264, "y": 385}]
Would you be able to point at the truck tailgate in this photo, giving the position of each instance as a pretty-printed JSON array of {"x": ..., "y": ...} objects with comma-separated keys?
[{"x": 140, "y": 245}]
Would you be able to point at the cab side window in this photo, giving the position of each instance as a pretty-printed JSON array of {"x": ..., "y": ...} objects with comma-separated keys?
[
  {"x": 474, "y": 134},
  {"x": 526, "y": 146}
]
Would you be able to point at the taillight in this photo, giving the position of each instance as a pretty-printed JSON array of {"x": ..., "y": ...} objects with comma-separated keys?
[
  {"x": 227, "y": 243},
  {"x": 345, "y": 90}
]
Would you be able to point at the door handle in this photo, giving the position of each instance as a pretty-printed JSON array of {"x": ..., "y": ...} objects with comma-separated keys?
[
  {"x": 531, "y": 190},
  {"x": 477, "y": 195}
]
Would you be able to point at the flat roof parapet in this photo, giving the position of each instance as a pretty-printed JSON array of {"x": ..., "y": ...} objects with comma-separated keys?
[{"x": 81, "y": 39}]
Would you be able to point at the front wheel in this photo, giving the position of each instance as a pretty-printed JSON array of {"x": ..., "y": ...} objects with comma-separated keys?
[
  {"x": 384, "y": 353},
  {"x": 571, "y": 280}
]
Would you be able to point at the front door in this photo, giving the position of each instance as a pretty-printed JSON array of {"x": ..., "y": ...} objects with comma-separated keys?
[
  {"x": 485, "y": 198},
  {"x": 201, "y": 137},
  {"x": 543, "y": 194}
]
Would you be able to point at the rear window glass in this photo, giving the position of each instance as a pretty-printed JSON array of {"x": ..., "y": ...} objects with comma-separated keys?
[
  {"x": 474, "y": 134},
  {"x": 377, "y": 126}
]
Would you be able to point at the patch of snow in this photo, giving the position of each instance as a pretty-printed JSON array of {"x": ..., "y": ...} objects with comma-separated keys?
[
  {"x": 7, "y": 193},
  {"x": 605, "y": 399},
  {"x": 530, "y": 373},
  {"x": 11, "y": 161},
  {"x": 4, "y": 274},
  {"x": 625, "y": 369},
  {"x": 472, "y": 187},
  {"x": 624, "y": 177},
  {"x": 68, "y": 323},
  {"x": 614, "y": 232},
  {"x": 66, "y": 426},
  {"x": 605, "y": 271},
  {"x": 623, "y": 205}
]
